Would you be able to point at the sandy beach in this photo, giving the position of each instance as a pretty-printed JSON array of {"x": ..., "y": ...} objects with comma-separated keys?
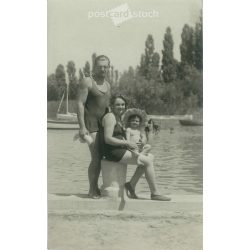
[{"x": 114, "y": 230}]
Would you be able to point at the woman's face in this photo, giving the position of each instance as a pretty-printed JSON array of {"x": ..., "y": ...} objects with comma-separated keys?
[{"x": 119, "y": 106}]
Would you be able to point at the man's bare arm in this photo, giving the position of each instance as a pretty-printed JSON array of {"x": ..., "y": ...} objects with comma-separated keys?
[{"x": 82, "y": 94}]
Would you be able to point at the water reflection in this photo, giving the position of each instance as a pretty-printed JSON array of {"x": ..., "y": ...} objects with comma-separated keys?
[{"x": 178, "y": 162}]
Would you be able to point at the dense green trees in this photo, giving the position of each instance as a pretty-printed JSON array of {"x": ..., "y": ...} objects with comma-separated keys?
[
  {"x": 199, "y": 44},
  {"x": 72, "y": 79},
  {"x": 169, "y": 64},
  {"x": 93, "y": 59},
  {"x": 87, "y": 69},
  {"x": 52, "y": 89},
  {"x": 177, "y": 87},
  {"x": 187, "y": 45},
  {"x": 149, "y": 67},
  {"x": 60, "y": 77},
  {"x": 158, "y": 85}
]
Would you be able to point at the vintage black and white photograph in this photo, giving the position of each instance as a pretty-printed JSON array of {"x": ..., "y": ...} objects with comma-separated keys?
[{"x": 125, "y": 124}]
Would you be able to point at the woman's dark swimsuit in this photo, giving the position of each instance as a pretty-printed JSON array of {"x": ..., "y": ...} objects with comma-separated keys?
[
  {"x": 110, "y": 152},
  {"x": 96, "y": 106}
]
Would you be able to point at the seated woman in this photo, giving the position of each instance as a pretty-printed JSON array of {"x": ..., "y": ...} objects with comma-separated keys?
[{"x": 117, "y": 148}]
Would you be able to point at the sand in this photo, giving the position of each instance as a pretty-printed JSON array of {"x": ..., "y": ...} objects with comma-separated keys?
[{"x": 113, "y": 230}]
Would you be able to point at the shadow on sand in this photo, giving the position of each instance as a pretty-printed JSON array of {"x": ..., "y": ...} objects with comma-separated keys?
[{"x": 84, "y": 196}]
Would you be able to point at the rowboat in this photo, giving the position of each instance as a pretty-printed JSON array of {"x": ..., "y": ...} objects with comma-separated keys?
[{"x": 189, "y": 122}]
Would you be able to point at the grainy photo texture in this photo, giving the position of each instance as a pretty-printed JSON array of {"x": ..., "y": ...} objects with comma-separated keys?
[{"x": 124, "y": 124}]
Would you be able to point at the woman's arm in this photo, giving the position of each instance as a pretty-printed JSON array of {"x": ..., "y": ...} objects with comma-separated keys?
[
  {"x": 128, "y": 133},
  {"x": 109, "y": 125}
]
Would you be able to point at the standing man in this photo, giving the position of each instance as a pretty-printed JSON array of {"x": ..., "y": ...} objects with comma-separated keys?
[{"x": 92, "y": 103}]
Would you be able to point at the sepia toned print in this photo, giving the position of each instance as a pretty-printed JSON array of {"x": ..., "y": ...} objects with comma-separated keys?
[{"x": 124, "y": 124}]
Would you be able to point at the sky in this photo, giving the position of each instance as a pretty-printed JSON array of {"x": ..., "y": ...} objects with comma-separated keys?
[{"x": 74, "y": 35}]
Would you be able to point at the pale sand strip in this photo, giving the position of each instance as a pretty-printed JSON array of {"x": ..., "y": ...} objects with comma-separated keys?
[{"x": 85, "y": 224}]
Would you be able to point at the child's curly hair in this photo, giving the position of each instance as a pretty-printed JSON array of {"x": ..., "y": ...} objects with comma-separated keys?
[{"x": 132, "y": 113}]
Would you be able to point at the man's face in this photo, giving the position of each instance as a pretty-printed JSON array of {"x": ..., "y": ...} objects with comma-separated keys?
[{"x": 102, "y": 67}]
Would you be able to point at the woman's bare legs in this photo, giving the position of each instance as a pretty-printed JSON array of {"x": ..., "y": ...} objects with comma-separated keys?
[
  {"x": 140, "y": 170},
  {"x": 150, "y": 177},
  {"x": 148, "y": 169}
]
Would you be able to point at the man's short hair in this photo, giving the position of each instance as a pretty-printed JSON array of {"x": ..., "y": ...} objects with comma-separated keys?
[{"x": 100, "y": 58}]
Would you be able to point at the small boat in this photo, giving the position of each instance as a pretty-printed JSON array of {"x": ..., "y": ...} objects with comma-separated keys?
[
  {"x": 189, "y": 122},
  {"x": 170, "y": 117},
  {"x": 67, "y": 116},
  {"x": 64, "y": 121},
  {"x": 61, "y": 121},
  {"x": 62, "y": 125}
]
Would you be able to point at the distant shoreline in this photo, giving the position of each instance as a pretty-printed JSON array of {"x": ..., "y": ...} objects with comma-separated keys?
[{"x": 52, "y": 107}]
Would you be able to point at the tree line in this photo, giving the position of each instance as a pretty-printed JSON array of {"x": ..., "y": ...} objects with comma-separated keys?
[{"x": 164, "y": 86}]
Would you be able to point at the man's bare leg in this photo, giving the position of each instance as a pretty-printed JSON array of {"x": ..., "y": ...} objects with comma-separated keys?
[{"x": 94, "y": 166}]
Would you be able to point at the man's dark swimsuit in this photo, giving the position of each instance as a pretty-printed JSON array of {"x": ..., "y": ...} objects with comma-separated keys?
[{"x": 96, "y": 106}]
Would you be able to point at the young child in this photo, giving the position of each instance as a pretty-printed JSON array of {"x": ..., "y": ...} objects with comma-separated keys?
[
  {"x": 134, "y": 120},
  {"x": 151, "y": 126}
]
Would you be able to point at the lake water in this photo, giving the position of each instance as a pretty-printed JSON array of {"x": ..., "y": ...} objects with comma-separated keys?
[{"x": 178, "y": 162}]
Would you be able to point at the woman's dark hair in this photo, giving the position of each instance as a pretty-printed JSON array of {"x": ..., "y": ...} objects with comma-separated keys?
[
  {"x": 114, "y": 97},
  {"x": 134, "y": 116}
]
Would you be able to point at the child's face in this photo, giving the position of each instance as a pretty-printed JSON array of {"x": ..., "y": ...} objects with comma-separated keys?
[{"x": 134, "y": 122}]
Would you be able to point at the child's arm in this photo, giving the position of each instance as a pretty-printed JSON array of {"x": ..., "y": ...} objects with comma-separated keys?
[{"x": 143, "y": 138}]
